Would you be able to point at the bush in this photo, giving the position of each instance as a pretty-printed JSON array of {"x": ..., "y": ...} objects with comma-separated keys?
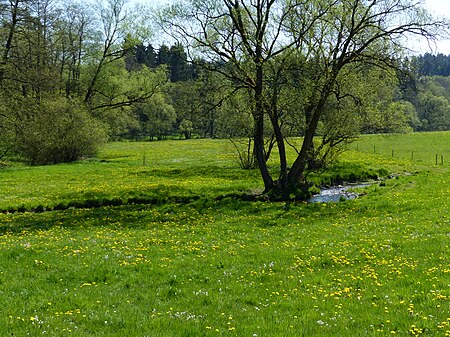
[{"x": 56, "y": 130}]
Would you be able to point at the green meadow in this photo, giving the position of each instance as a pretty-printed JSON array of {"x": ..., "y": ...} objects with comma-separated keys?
[{"x": 156, "y": 239}]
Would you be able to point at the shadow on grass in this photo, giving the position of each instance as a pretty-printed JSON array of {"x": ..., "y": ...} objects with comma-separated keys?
[
  {"x": 177, "y": 195},
  {"x": 131, "y": 213},
  {"x": 146, "y": 215},
  {"x": 215, "y": 172},
  {"x": 96, "y": 204},
  {"x": 103, "y": 201},
  {"x": 162, "y": 193}
]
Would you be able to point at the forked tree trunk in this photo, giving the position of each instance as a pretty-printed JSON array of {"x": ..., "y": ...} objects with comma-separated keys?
[
  {"x": 296, "y": 173},
  {"x": 281, "y": 185},
  {"x": 260, "y": 156},
  {"x": 258, "y": 116}
]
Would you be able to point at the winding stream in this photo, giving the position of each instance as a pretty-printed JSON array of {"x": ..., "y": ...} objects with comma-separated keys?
[{"x": 336, "y": 193}]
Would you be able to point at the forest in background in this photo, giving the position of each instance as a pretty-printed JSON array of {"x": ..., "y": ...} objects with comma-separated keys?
[
  {"x": 74, "y": 77},
  {"x": 421, "y": 91}
]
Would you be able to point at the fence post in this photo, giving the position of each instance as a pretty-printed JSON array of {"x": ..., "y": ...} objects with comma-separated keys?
[
  {"x": 412, "y": 155},
  {"x": 437, "y": 159},
  {"x": 392, "y": 153}
]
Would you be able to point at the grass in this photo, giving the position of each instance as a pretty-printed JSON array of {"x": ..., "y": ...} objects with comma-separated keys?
[
  {"x": 420, "y": 148},
  {"x": 374, "y": 266},
  {"x": 146, "y": 171}
]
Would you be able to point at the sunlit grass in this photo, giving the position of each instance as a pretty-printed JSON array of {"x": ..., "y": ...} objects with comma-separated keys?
[
  {"x": 126, "y": 170},
  {"x": 420, "y": 148},
  {"x": 374, "y": 266}
]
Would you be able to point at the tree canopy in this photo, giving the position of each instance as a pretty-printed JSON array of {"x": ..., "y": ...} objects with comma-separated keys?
[{"x": 256, "y": 39}]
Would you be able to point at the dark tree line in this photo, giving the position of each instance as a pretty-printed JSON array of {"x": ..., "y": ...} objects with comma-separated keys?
[
  {"x": 174, "y": 57},
  {"x": 431, "y": 65}
]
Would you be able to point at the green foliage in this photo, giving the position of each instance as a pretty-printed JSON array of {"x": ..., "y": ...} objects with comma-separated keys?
[
  {"x": 6, "y": 128},
  {"x": 390, "y": 117},
  {"x": 55, "y": 130},
  {"x": 59, "y": 60},
  {"x": 234, "y": 116},
  {"x": 434, "y": 112},
  {"x": 186, "y": 128},
  {"x": 159, "y": 117},
  {"x": 366, "y": 103},
  {"x": 120, "y": 92},
  {"x": 430, "y": 97}
]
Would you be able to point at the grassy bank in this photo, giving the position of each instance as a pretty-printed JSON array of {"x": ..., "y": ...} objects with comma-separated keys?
[
  {"x": 419, "y": 148},
  {"x": 374, "y": 266}
]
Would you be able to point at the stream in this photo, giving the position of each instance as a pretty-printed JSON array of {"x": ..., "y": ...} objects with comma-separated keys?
[{"x": 336, "y": 193}]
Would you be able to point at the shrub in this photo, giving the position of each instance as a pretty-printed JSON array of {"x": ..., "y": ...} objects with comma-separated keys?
[{"x": 56, "y": 130}]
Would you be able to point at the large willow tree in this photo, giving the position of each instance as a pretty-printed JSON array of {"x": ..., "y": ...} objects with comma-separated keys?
[{"x": 257, "y": 39}]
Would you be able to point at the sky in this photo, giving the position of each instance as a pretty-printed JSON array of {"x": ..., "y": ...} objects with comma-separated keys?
[{"x": 439, "y": 9}]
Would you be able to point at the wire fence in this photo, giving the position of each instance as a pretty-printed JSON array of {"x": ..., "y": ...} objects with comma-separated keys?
[{"x": 425, "y": 153}]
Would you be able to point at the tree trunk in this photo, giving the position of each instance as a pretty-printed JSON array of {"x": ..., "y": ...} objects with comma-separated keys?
[
  {"x": 8, "y": 45},
  {"x": 298, "y": 168},
  {"x": 259, "y": 153},
  {"x": 281, "y": 185},
  {"x": 93, "y": 82},
  {"x": 258, "y": 116}
]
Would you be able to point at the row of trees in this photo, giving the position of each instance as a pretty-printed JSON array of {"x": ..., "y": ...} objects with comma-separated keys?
[
  {"x": 195, "y": 102},
  {"x": 262, "y": 69},
  {"x": 64, "y": 86}
]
